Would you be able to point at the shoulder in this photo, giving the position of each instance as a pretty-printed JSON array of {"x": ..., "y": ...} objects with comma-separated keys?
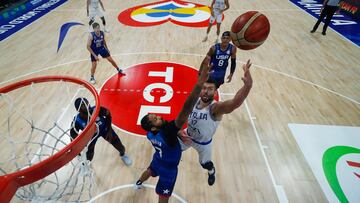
[
  {"x": 171, "y": 128},
  {"x": 214, "y": 109}
]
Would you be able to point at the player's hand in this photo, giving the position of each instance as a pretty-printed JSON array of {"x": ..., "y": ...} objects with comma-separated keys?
[
  {"x": 229, "y": 78},
  {"x": 206, "y": 66},
  {"x": 96, "y": 58},
  {"x": 186, "y": 139},
  {"x": 212, "y": 12},
  {"x": 247, "y": 79}
]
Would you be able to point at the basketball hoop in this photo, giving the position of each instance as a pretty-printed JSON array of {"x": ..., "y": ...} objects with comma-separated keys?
[{"x": 45, "y": 147}]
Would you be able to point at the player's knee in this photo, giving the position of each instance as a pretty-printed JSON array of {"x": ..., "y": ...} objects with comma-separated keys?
[{"x": 208, "y": 165}]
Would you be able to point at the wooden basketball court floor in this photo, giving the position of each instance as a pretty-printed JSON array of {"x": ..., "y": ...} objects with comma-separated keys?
[{"x": 298, "y": 78}]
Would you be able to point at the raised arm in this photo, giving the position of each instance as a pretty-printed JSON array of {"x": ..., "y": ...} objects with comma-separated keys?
[
  {"x": 227, "y": 5},
  {"x": 194, "y": 95},
  {"x": 209, "y": 54},
  {"x": 220, "y": 108}
]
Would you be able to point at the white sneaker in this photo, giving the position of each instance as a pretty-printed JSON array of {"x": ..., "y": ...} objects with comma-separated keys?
[
  {"x": 92, "y": 80},
  {"x": 120, "y": 71},
  {"x": 127, "y": 161},
  {"x": 138, "y": 187},
  {"x": 106, "y": 30},
  {"x": 205, "y": 39}
]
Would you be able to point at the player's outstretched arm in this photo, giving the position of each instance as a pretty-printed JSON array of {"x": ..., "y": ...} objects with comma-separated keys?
[
  {"x": 194, "y": 95},
  {"x": 209, "y": 55},
  {"x": 228, "y": 106}
]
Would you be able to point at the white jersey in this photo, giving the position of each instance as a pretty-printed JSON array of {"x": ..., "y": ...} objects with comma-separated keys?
[
  {"x": 219, "y": 5},
  {"x": 201, "y": 125},
  {"x": 94, "y": 4}
]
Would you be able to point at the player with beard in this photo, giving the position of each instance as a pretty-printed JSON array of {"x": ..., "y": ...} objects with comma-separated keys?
[
  {"x": 163, "y": 136},
  {"x": 205, "y": 118}
]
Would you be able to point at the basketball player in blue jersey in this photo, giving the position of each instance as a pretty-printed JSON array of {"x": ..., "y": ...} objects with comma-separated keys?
[
  {"x": 220, "y": 54},
  {"x": 97, "y": 45},
  {"x": 163, "y": 136},
  {"x": 103, "y": 128},
  {"x": 205, "y": 118}
]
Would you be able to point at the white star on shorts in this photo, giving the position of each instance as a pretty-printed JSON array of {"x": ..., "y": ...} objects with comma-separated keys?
[{"x": 166, "y": 191}]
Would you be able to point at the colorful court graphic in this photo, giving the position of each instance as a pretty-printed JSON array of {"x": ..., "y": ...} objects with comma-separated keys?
[
  {"x": 178, "y": 12},
  {"x": 162, "y": 90},
  {"x": 333, "y": 153}
]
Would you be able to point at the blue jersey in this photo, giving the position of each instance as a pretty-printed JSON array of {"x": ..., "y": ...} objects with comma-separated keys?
[
  {"x": 98, "y": 41},
  {"x": 101, "y": 122},
  {"x": 220, "y": 60},
  {"x": 166, "y": 155}
]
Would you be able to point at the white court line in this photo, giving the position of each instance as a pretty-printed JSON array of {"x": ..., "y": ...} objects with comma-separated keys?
[
  {"x": 186, "y": 54},
  {"x": 328, "y": 27},
  {"x": 278, "y": 188},
  {"x": 131, "y": 186},
  {"x": 308, "y": 82}
]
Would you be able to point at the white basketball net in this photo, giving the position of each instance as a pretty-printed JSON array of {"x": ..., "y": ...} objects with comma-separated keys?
[{"x": 35, "y": 123}]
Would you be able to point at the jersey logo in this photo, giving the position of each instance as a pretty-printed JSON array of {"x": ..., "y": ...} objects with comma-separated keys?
[{"x": 175, "y": 11}]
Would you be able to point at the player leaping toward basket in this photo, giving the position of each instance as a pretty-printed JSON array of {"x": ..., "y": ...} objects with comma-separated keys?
[
  {"x": 205, "y": 118},
  {"x": 163, "y": 136}
]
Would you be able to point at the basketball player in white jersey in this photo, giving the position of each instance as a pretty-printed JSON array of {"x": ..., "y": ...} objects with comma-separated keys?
[
  {"x": 205, "y": 118},
  {"x": 217, "y": 9},
  {"x": 93, "y": 9}
]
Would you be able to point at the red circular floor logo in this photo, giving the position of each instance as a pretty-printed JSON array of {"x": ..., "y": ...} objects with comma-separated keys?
[{"x": 157, "y": 87}]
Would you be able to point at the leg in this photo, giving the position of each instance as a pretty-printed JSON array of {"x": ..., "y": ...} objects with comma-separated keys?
[
  {"x": 93, "y": 68},
  {"x": 212, "y": 20},
  {"x": 218, "y": 24},
  {"x": 91, "y": 149},
  {"x": 322, "y": 15},
  {"x": 111, "y": 60},
  {"x": 150, "y": 171},
  {"x": 115, "y": 141},
  {"x": 163, "y": 199},
  {"x": 103, "y": 21},
  {"x": 145, "y": 175},
  {"x": 218, "y": 29},
  {"x": 166, "y": 183},
  {"x": 204, "y": 152},
  {"x": 91, "y": 21},
  {"x": 329, "y": 15}
]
